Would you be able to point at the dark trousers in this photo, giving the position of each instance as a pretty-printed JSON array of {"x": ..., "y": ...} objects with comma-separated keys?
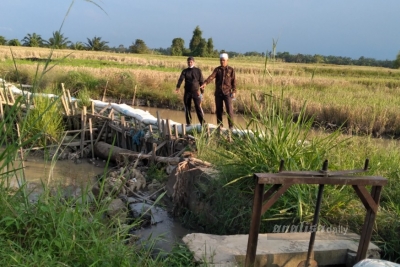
[
  {"x": 220, "y": 99},
  {"x": 187, "y": 101}
]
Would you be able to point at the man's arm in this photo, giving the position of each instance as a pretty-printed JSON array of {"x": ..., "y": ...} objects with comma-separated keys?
[
  {"x": 201, "y": 81},
  {"x": 180, "y": 80},
  {"x": 210, "y": 78},
  {"x": 233, "y": 81}
]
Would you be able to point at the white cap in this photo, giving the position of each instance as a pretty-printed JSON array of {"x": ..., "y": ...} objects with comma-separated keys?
[{"x": 223, "y": 55}]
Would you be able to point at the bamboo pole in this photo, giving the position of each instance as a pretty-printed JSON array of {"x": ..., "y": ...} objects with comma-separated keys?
[
  {"x": 101, "y": 132},
  {"x": 92, "y": 107},
  {"x": 91, "y": 136},
  {"x": 134, "y": 95},
  {"x": 159, "y": 123},
  {"x": 183, "y": 130},
  {"x": 11, "y": 94},
  {"x": 104, "y": 93},
  {"x": 123, "y": 133},
  {"x": 73, "y": 105},
  {"x": 83, "y": 121},
  {"x": 176, "y": 131}
]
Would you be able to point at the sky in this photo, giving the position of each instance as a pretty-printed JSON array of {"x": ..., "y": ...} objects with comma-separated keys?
[{"x": 347, "y": 28}]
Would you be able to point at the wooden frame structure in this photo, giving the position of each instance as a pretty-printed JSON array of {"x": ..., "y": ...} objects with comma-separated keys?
[{"x": 284, "y": 179}]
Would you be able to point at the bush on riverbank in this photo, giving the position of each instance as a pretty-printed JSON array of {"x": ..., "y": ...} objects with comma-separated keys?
[{"x": 277, "y": 136}]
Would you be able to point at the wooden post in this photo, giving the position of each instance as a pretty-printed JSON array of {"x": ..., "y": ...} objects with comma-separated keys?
[
  {"x": 153, "y": 158},
  {"x": 73, "y": 105},
  {"x": 11, "y": 94},
  {"x": 66, "y": 109},
  {"x": 83, "y": 121},
  {"x": 159, "y": 123},
  {"x": 169, "y": 131},
  {"x": 183, "y": 130},
  {"x": 134, "y": 94},
  {"x": 104, "y": 93},
  {"x": 123, "y": 132},
  {"x": 255, "y": 224},
  {"x": 100, "y": 133},
  {"x": 176, "y": 131},
  {"x": 368, "y": 226},
  {"x": 91, "y": 136},
  {"x": 92, "y": 107},
  {"x": 162, "y": 129}
]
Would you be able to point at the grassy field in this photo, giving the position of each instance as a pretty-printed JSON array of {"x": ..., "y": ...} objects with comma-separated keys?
[{"x": 361, "y": 99}]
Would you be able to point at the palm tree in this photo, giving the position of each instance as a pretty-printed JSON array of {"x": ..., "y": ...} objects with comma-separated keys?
[
  {"x": 77, "y": 46},
  {"x": 58, "y": 41},
  {"x": 32, "y": 40},
  {"x": 96, "y": 44},
  {"x": 3, "y": 40}
]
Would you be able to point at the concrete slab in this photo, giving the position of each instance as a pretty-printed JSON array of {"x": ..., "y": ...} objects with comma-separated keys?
[{"x": 277, "y": 249}]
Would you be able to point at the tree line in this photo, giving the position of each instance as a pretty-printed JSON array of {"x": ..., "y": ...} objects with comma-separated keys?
[{"x": 198, "y": 47}]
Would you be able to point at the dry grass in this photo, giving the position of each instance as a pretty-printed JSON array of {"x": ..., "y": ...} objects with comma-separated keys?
[{"x": 363, "y": 99}]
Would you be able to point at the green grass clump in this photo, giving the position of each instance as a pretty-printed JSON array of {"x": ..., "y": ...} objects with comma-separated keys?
[{"x": 44, "y": 120}]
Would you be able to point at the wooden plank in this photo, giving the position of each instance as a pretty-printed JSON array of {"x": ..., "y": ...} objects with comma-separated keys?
[
  {"x": 275, "y": 197},
  {"x": 278, "y": 178},
  {"x": 366, "y": 198},
  {"x": 101, "y": 132},
  {"x": 368, "y": 226},
  {"x": 255, "y": 224},
  {"x": 77, "y": 131},
  {"x": 158, "y": 146}
]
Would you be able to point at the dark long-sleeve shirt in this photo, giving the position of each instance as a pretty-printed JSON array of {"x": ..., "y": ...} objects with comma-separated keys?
[
  {"x": 193, "y": 78},
  {"x": 225, "y": 80}
]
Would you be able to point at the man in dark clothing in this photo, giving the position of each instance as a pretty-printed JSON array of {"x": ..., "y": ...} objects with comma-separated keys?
[
  {"x": 225, "y": 89},
  {"x": 193, "y": 80}
]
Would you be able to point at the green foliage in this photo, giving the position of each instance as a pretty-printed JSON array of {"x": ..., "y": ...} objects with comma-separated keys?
[
  {"x": 139, "y": 47},
  {"x": 3, "y": 40},
  {"x": 14, "y": 42},
  {"x": 177, "y": 47},
  {"x": 84, "y": 98},
  {"x": 45, "y": 120},
  {"x": 157, "y": 173},
  {"x": 77, "y": 46},
  {"x": 58, "y": 41},
  {"x": 396, "y": 63},
  {"x": 96, "y": 44},
  {"x": 195, "y": 41},
  {"x": 77, "y": 81},
  {"x": 32, "y": 40}
]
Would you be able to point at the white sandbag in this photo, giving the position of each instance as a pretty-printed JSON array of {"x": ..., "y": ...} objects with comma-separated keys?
[{"x": 376, "y": 263}]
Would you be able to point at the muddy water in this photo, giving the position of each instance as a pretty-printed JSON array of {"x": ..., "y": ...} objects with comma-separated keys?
[{"x": 179, "y": 116}]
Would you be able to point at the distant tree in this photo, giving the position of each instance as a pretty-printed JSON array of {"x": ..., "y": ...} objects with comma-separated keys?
[
  {"x": 77, "y": 46},
  {"x": 202, "y": 48},
  {"x": 3, "y": 40},
  {"x": 396, "y": 63},
  {"x": 196, "y": 42},
  {"x": 32, "y": 40},
  {"x": 162, "y": 51},
  {"x": 58, "y": 41},
  {"x": 96, "y": 44},
  {"x": 121, "y": 49},
  {"x": 139, "y": 47},
  {"x": 318, "y": 58},
  {"x": 210, "y": 48},
  {"x": 177, "y": 47},
  {"x": 14, "y": 42}
]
